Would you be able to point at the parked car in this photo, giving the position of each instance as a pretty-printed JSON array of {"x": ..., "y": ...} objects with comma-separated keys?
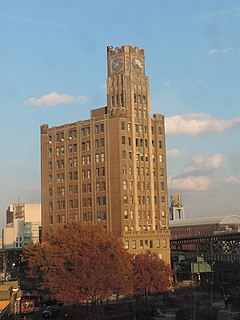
[{"x": 51, "y": 311}]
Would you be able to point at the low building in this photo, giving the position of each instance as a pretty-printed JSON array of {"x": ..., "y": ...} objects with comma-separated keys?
[{"x": 204, "y": 226}]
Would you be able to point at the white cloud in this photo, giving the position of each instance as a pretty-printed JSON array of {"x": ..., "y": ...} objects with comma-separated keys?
[
  {"x": 222, "y": 51},
  {"x": 213, "y": 162},
  {"x": 54, "y": 99},
  {"x": 228, "y": 12},
  {"x": 167, "y": 83},
  {"x": 174, "y": 153},
  {"x": 233, "y": 180},
  {"x": 198, "y": 123},
  {"x": 193, "y": 183},
  {"x": 34, "y": 21},
  {"x": 103, "y": 86}
]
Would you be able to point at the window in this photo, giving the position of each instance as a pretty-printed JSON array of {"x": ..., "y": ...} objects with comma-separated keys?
[
  {"x": 129, "y": 127},
  {"x": 97, "y": 157},
  {"x": 103, "y": 186},
  {"x": 104, "y": 201},
  {"x": 88, "y": 146},
  {"x": 160, "y": 158},
  {"x": 164, "y": 243},
  {"x": 123, "y": 140},
  {"x": 102, "y": 157},
  {"x": 125, "y": 199},
  {"x": 124, "y": 155},
  {"x": 75, "y": 162},
  {"x": 98, "y": 201},
  {"x": 124, "y": 184},
  {"x": 96, "y": 129},
  {"x": 50, "y": 152},
  {"x": 162, "y": 186},
  {"x": 124, "y": 169},
  {"x": 88, "y": 131},
  {"x": 83, "y": 160},
  {"x": 162, "y": 199},
  {"x": 125, "y": 214},
  {"x": 96, "y": 143},
  {"x": 123, "y": 125},
  {"x": 126, "y": 244},
  {"x": 102, "y": 142},
  {"x": 101, "y": 127},
  {"x": 141, "y": 244},
  {"x": 88, "y": 159},
  {"x": 103, "y": 171},
  {"x": 134, "y": 246},
  {"x": 89, "y": 173},
  {"x": 131, "y": 215},
  {"x": 130, "y": 185},
  {"x": 160, "y": 144},
  {"x": 97, "y": 186},
  {"x": 161, "y": 172}
]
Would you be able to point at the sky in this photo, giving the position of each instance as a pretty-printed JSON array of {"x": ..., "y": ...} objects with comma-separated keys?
[{"x": 53, "y": 70}]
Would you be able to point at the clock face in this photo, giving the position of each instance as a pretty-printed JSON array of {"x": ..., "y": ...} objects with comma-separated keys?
[
  {"x": 137, "y": 64},
  {"x": 117, "y": 64}
]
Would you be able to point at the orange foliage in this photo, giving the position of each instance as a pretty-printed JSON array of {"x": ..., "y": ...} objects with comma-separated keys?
[
  {"x": 81, "y": 262},
  {"x": 150, "y": 274}
]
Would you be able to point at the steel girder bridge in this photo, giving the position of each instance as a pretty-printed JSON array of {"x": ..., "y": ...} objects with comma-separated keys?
[{"x": 221, "y": 247}]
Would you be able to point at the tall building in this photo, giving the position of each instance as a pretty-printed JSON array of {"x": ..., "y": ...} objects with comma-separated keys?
[
  {"x": 23, "y": 223},
  {"x": 111, "y": 168}
]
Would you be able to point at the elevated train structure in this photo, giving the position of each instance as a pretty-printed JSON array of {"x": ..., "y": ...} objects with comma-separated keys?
[{"x": 206, "y": 249}]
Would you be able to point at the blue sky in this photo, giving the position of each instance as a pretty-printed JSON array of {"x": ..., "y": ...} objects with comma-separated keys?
[{"x": 53, "y": 70}]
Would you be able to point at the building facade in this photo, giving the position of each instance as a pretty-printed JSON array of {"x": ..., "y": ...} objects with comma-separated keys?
[
  {"x": 176, "y": 209},
  {"x": 111, "y": 168},
  {"x": 23, "y": 223}
]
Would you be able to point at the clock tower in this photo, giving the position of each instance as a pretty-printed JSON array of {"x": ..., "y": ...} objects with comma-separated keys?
[{"x": 111, "y": 168}]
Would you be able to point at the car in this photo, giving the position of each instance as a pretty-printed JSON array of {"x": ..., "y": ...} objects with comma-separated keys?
[{"x": 51, "y": 311}]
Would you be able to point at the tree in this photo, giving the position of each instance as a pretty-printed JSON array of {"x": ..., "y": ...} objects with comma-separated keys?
[
  {"x": 150, "y": 274},
  {"x": 80, "y": 262}
]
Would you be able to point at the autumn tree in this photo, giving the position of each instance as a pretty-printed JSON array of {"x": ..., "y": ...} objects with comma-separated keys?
[
  {"x": 150, "y": 274},
  {"x": 81, "y": 262}
]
